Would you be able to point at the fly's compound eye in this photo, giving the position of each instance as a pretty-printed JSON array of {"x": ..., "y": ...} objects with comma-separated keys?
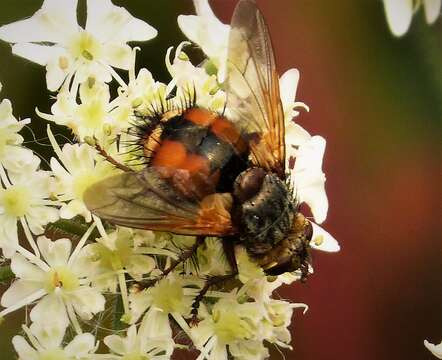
[{"x": 248, "y": 183}]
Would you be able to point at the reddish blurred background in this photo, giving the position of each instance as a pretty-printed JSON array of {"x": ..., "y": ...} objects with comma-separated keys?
[{"x": 376, "y": 100}]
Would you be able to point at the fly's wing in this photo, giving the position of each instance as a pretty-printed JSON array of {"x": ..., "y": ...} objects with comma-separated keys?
[
  {"x": 252, "y": 85},
  {"x": 147, "y": 200}
]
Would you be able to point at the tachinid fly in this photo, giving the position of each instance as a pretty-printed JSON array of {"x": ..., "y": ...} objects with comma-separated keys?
[{"x": 222, "y": 175}]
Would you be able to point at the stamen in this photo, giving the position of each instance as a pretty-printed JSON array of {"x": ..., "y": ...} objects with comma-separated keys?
[
  {"x": 73, "y": 317},
  {"x": 29, "y": 236}
]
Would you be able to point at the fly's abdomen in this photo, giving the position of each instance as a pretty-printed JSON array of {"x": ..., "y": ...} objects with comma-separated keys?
[{"x": 201, "y": 141}]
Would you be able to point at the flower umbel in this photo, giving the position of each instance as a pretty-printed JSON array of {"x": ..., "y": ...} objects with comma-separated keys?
[
  {"x": 70, "y": 50},
  {"x": 145, "y": 293}
]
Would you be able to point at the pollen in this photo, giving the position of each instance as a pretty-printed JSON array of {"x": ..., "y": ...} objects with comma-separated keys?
[
  {"x": 63, "y": 62},
  {"x": 319, "y": 240},
  {"x": 61, "y": 278},
  {"x": 85, "y": 46}
]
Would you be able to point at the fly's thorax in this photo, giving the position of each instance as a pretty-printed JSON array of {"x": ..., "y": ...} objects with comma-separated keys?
[
  {"x": 292, "y": 253},
  {"x": 264, "y": 209}
]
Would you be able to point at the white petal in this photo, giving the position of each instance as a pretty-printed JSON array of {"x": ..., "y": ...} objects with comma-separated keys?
[
  {"x": 209, "y": 33},
  {"x": 40, "y": 54},
  {"x": 24, "y": 350},
  {"x": 132, "y": 336},
  {"x": 118, "y": 55},
  {"x": 54, "y": 22},
  {"x": 24, "y": 269},
  {"x": 432, "y": 10},
  {"x": 399, "y": 14},
  {"x": 219, "y": 352},
  {"x": 436, "y": 350},
  {"x": 309, "y": 180},
  {"x": 139, "y": 265},
  {"x": 116, "y": 344},
  {"x": 288, "y": 84},
  {"x": 18, "y": 291},
  {"x": 50, "y": 304},
  {"x": 56, "y": 253},
  {"x": 81, "y": 345},
  {"x": 49, "y": 335},
  {"x": 87, "y": 301},
  {"x": 17, "y": 158},
  {"x": 155, "y": 324},
  {"x": 322, "y": 240},
  {"x": 113, "y": 23},
  {"x": 57, "y": 69}
]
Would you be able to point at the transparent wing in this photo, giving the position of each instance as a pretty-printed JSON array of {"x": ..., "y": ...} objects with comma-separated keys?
[
  {"x": 252, "y": 85},
  {"x": 147, "y": 200}
]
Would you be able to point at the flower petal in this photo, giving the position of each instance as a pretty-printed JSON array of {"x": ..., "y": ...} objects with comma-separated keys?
[
  {"x": 24, "y": 269},
  {"x": 399, "y": 14},
  {"x": 49, "y": 335},
  {"x": 139, "y": 265},
  {"x": 50, "y": 304},
  {"x": 118, "y": 55},
  {"x": 436, "y": 350},
  {"x": 56, "y": 253},
  {"x": 81, "y": 345},
  {"x": 116, "y": 344},
  {"x": 432, "y": 10},
  {"x": 113, "y": 23},
  {"x": 18, "y": 291},
  {"x": 288, "y": 84},
  {"x": 322, "y": 240},
  {"x": 87, "y": 301},
  {"x": 308, "y": 178},
  {"x": 40, "y": 54},
  {"x": 54, "y": 22},
  {"x": 208, "y": 32},
  {"x": 24, "y": 350}
]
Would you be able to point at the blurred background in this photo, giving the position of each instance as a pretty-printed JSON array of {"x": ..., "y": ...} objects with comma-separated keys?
[{"x": 376, "y": 99}]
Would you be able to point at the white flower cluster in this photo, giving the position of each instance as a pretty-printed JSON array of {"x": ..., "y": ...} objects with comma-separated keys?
[{"x": 82, "y": 278}]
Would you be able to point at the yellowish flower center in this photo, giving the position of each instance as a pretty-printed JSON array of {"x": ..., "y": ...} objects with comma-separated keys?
[
  {"x": 85, "y": 45},
  {"x": 115, "y": 259},
  {"x": 53, "y": 354},
  {"x": 92, "y": 114},
  {"x": 168, "y": 296},
  {"x": 230, "y": 327},
  {"x": 16, "y": 200},
  {"x": 61, "y": 277},
  {"x": 82, "y": 182}
]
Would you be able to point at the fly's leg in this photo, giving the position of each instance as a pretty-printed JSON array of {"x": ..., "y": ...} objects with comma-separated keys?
[
  {"x": 210, "y": 282},
  {"x": 229, "y": 250},
  {"x": 109, "y": 158},
  {"x": 185, "y": 255}
]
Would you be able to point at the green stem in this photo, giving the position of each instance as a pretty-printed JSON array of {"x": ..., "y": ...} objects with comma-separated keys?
[{"x": 6, "y": 273}]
